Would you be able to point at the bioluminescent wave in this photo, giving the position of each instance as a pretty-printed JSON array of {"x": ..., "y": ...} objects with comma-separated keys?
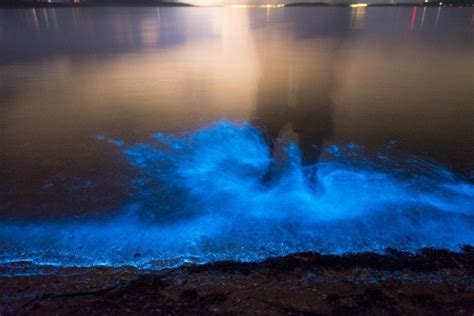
[{"x": 200, "y": 197}]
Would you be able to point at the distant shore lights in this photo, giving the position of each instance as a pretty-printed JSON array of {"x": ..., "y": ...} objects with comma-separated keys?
[{"x": 358, "y": 5}]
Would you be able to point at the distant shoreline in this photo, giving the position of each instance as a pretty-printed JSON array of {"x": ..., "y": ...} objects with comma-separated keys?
[
  {"x": 154, "y": 3},
  {"x": 430, "y": 4},
  {"x": 143, "y": 3}
]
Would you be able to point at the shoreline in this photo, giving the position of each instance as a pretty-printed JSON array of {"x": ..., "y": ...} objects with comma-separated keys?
[
  {"x": 140, "y": 3},
  {"x": 152, "y": 3},
  {"x": 432, "y": 281}
]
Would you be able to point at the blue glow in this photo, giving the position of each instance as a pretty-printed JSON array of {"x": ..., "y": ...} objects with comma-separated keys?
[{"x": 199, "y": 197}]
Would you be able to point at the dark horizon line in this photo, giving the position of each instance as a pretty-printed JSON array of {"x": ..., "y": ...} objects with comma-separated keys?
[
  {"x": 422, "y": 4},
  {"x": 161, "y": 3},
  {"x": 90, "y": 3}
]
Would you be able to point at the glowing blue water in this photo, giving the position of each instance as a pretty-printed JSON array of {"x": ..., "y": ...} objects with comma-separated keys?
[{"x": 200, "y": 197}]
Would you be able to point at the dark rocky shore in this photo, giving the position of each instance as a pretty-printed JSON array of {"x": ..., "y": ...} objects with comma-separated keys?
[{"x": 434, "y": 282}]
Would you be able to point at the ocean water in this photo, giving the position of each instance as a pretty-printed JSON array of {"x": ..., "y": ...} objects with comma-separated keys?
[
  {"x": 157, "y": 136},
  {"x": 199, "y": 197}
]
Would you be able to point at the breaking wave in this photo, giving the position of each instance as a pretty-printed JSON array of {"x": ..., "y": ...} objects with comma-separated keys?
[{"x": 200, "y": 197}]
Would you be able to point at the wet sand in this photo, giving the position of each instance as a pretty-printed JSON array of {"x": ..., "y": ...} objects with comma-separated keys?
[{"x": 430, "y": 282}]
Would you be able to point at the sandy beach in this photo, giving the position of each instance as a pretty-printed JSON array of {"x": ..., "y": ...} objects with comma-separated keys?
[{"x": 432, "y": 282}]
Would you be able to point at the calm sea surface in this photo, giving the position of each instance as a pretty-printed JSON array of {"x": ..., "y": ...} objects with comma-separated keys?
[{"x": 398, "y": 77}]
